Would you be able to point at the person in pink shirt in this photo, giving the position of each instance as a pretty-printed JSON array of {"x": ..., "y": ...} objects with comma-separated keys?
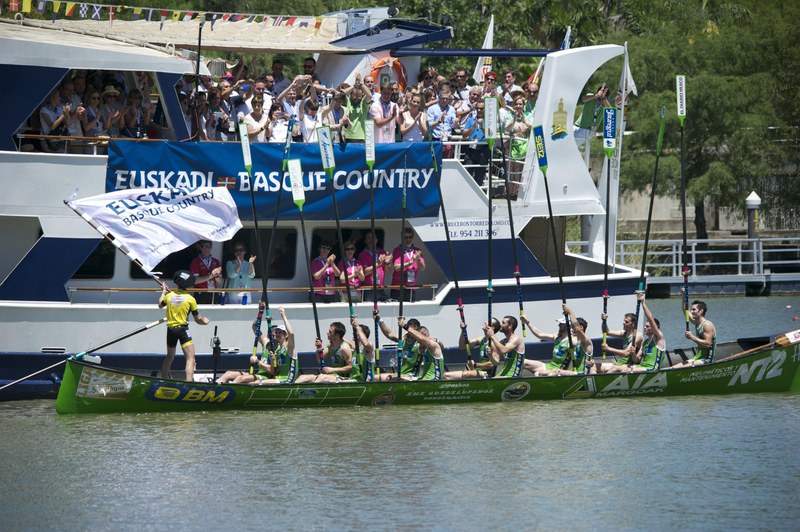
[
  {"x": 355, "y": 272},
  {"x": 412, "y": 262},
  {"x": 383, "y": 262},
  {"x": 384, "y": 112},
  {"x": 324, "y": 275}
]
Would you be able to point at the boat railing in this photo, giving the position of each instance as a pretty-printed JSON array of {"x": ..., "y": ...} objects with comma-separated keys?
[
  {"x": 720, "y": 256},
  {"x": 72, "y": 144},
  {"x": 417, "y": 292},
  {"x": 512, "y": 167}
]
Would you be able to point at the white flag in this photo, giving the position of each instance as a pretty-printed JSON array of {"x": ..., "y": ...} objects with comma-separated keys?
[
  {"x": 484, "y": 64},
  {"x": 154, "y": 222}
]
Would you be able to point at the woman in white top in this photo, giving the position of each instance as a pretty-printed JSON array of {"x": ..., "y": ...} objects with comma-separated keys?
[
  {"x": 93, "y": 123},
  {"x": 279, "y": 125},
  {"x": 414, "y": 122},
  {"x": 257, "y": 122},
  {"x": 309, "y": 119}
]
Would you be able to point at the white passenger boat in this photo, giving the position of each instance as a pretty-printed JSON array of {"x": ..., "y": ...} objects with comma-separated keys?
[{"x": 63, "y": 290}]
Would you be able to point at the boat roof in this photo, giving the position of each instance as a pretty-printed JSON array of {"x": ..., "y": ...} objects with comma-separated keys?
[
  {"x": 61, "y": 49},
  {"x": 265, "y": 34}
]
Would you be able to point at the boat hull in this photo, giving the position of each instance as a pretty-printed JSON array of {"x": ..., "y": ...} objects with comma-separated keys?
[{"x": 87, "y": 388}]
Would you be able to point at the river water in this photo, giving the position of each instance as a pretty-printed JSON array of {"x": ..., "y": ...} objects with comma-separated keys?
[{"x": 710, "y": 463}]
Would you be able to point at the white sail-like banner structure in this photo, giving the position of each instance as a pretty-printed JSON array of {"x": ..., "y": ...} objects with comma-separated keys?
[
  {"x": 147, "y": 225},
  {"x": 572, "y": 189}
]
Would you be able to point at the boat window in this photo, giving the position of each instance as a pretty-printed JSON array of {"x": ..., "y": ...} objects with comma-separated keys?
[
  {"x": 176, "y": 261},
  {"x": 350, "y": 234},
  {"x": 284, "y": 250},
  {"x": 100, "y": 264}
]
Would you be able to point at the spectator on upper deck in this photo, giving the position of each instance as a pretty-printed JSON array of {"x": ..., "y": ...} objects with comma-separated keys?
[
  {"x": 278, "y": 124},
  {"x": 476, "y": 155},
  {"x": 357, "y": 105},
  {"x": 384, "y": 112},
  {"x": 414, "y": 121},
  {"x": 509, "y": 85},
  {"x": 281, "y": 82},
  {"x": 207, "y": 271},
  {"x": 257, "y": 122},
  {"x": 442, "y": 119},
  {"x": 310, "y": 119},
  {"x": 93, "y": 124},
  {"x": 74, "y": 112},
  {"x": 52, "y": 121},
  {"x": 461, "y": 88},
  {"x": 335, "y": 115},
  {"x": 373, "y": 93},
  {"x": 292, "y": 96},
  {"x": 489, "y": 84},
  {"x": 136, "y": 119}
]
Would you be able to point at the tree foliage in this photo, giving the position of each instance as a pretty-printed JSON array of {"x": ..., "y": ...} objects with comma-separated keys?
[{"x": 739, "y": 131}]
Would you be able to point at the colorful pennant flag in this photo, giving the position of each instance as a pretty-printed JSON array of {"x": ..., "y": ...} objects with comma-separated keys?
[
  {"x": 56, "y": 9},
  {"x": 163, "y": 18},
  {"x": 13, "y": 5},
  {"x": 70, "y": 11},
  {"x": 213, "y": 20},
  {"x": 40, "y": 6},
  {"x": 110, "y": 16},
  {"x": 96, "y": 12},
  {"x": 84, "y": 10},
  {"x": 137, "y": 12},
  {"x": 317, "y": 25},
  {"x": 26, "y": 6},
  {"x": 290, "y": 21}
]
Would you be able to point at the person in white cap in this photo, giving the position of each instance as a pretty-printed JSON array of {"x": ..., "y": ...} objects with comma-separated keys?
[
  {"x": 561, "y": 346},
  {"x": 274, "y": 367},
  {"x": 179, "y": 304}
]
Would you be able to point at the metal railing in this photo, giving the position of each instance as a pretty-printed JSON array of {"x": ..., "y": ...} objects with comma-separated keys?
[{"x": 722, "y": 256}]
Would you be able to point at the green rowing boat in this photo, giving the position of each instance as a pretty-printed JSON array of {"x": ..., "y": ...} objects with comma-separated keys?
[{"x": 90, "y": 388}]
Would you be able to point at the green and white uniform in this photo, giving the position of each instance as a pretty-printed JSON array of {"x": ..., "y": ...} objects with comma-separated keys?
[
  {"x": 651, "y": 355},
  {"x": 626, "y": 341},
  {"x": 287, "y": 366},
  {"x": 707, "y": 355},
  {"x": 363, "y": 369},
  {"x": 337, "y": 360},
  {"x": 579, "y": 363},
  {"x": 484, "y": 349},
  {"x": 410, "y": 357},
  {"x": 433, "y": 368},
  {"x": 511, "y": 365},
  {"x": 560, "y": 351}
]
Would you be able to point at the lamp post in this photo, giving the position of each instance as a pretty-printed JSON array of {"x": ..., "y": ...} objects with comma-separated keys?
[{"x": 753, "y": 203}]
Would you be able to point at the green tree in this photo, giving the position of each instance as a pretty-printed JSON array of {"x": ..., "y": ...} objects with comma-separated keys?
[{"x": 730, "y": 55}]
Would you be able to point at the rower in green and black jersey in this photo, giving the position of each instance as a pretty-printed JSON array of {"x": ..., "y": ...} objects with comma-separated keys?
[
  {"x": 411, "y": 357},
  {"x": 363, "y": 357},
  {"x": 565, "y": 361},
  {"x": 704, "y": 335},
  {"x": 482, "y": 369},
  {"x": 432, "y": 351},
  {"x": 338, "y": 357},
  {"x": 631, "y": 344},
  {"x": 508, "y": 355},
  {"x": 654, "y": 347}
]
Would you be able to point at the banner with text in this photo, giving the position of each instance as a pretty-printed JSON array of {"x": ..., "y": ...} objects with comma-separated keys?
[
  {"x": 155, "y": 222},
  {"x": 400, "y": 168}
]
